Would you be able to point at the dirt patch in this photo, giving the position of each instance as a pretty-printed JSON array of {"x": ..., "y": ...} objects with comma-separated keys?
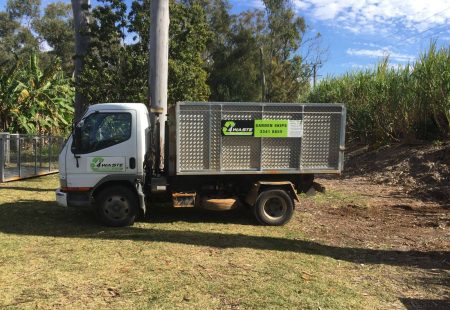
[
  {"x": 422, "y": 171},
  {"x": 377, "y": 216}
]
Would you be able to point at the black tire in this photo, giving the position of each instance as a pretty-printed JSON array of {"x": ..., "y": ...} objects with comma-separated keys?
[
  {"x": 117, "y": 206},
  {"x": 274, "y": 207}
]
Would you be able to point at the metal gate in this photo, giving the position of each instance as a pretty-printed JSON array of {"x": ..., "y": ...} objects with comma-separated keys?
[{"x": 23, "y": 156}]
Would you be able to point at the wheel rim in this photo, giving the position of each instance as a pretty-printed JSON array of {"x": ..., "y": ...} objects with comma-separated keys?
[
  {"x": 116, "y": 207},
  {"x": 275, "y": 208}
]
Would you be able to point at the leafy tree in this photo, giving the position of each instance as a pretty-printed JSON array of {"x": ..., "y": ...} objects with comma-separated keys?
[
  {"x": 235, "y": 69},
  {"x": 15, "y": 39},
  {"x": 9, "y": 85},
  {"x": 189, "y": 34},
  {"x": 19, "y": 9},
  {"x": 56, "y": 28},
  {"x": 285, "y": 77},
  {"x": 111, "y": 61},
  {"x": 236, "y": 65}
]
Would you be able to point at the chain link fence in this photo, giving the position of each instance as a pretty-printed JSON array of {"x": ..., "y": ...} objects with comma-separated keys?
[{"x": 24, "y": 156}]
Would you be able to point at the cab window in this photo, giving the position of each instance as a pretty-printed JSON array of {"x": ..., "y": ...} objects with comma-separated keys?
[{"x": 102, "y": 130}]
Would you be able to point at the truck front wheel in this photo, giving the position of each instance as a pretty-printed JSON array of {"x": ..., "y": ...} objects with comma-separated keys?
[
  {"x": 117, "y": 206},
  {"x": 274, "y": 207}
]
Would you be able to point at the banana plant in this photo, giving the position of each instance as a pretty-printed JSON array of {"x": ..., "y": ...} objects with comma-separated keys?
[{"x": 41, "y": 101}]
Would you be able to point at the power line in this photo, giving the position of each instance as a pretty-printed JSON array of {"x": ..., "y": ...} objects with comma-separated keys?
[
  {"x": 420, "y": 21},
  {"x": 431, "y": 28}
]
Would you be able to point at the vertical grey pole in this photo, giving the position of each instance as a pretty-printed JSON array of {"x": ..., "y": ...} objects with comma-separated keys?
[
  {"x": 159, "y": 59},
  {"x": 2, "y": 158},
  {"x": 19, "y": 155},
  {"x": 35, "y": 139},
  {"x": 6, "y": 147},
  {"x": 49, "y": 153},
  {"x": 40, "y": 151}
]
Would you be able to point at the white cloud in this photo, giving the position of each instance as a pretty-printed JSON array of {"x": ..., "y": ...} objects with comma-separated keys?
[
  {"x": 384, "y": 17},
  {"x": 370, "y": 66},
  {"x": 378, "y": 16},
  {"x": 382, "y": 52}
]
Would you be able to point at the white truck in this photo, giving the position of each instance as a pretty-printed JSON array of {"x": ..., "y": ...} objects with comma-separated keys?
[{"x": 216, "y": 155}]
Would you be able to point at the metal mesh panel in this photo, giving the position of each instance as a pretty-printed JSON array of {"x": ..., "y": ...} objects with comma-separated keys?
[
  {"x": 241, "y": 153},
  {"x": 281, "y": 153},
  {"x": 194, "y": 142},
  {"x": 320, "y": 149},
  {"x": 215, "y": 138}
]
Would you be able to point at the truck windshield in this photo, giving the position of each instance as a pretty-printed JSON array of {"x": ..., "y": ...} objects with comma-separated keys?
[{"x": 102, "y": 130}]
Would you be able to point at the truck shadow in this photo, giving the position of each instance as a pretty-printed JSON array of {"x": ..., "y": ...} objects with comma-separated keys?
[
  {"x": 425, "y": 304},
  {"x": 44, "y": 218},
  {"x": 160, "y": 214}
]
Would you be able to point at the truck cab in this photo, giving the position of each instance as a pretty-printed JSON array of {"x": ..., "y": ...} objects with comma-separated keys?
[{"x": 108, "y": 152}]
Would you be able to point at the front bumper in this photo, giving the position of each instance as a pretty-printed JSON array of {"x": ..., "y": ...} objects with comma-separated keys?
[{"x": 61, "y": 198}]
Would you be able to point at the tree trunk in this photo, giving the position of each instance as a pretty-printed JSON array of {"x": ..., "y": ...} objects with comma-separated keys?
[{"x": 80, "y": 18}]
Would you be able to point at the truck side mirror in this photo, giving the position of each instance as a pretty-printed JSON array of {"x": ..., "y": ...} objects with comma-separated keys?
[{"x": 76, "y": 143}]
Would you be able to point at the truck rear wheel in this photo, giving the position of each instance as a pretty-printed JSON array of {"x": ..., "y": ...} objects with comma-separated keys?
[
  {"x": 274, "y": 207},
  {"x": 117, "y": 206}
]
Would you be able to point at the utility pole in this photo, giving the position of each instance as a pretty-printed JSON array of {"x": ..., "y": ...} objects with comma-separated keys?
[
  {"x": 159, "y": 70},
  {"x": 263, "y": 77},
  {"x": 315, "y": 73}
]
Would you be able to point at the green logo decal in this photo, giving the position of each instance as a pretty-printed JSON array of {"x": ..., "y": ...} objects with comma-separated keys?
[
  {"x": 106, "y": 164},
  {"x": 237, "y": 128},
  {"x": 96, "y": 163}
]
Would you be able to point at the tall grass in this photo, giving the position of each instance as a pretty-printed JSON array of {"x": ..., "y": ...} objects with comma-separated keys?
[{"x": 388, "y": 104}]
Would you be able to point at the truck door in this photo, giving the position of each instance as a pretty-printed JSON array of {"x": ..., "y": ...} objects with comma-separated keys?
[{"x": 108, "y": 145}]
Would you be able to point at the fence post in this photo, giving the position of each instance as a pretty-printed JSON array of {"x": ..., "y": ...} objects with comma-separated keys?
[
  {"x": 2, "y": 159},
  {"x": 35, "y": 154},
  {"x": 6, "y": 147},
  {"x": 19, "y": 155},
  {"x": 41, "y": 141},
  {"x": 49, "y": 153}
]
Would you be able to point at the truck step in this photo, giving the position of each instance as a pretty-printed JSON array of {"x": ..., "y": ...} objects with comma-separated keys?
[{"x": 183, "y": 200}]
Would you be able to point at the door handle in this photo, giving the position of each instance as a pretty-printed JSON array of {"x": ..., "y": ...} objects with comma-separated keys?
[
  {"x": 132, "y": 163},
  {"x": 76, "y": 158}
]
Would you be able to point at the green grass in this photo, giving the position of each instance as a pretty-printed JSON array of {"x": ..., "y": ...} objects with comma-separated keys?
[{"x": 52, "y": 257}]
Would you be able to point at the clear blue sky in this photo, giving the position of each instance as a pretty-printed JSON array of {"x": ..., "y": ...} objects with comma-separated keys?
[{"x": 359, "y": 32}]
